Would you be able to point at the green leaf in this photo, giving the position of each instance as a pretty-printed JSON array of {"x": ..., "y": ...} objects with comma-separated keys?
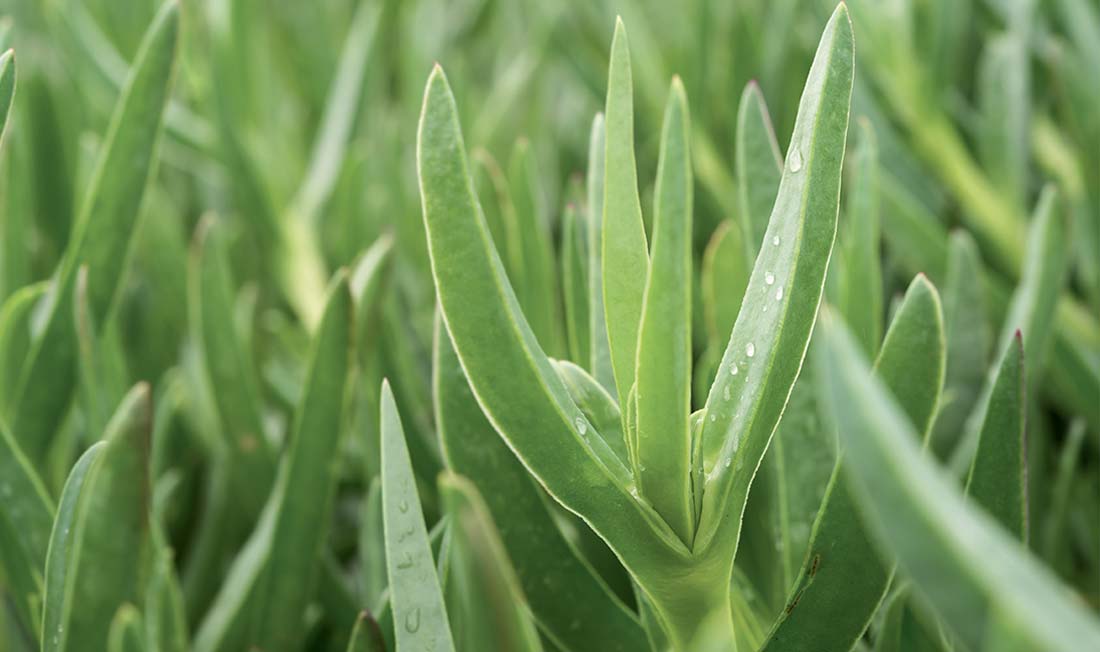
[
  {"x": 967, "y": 340},
  {"x": 966, "y": 568},
  {"x": 15, "y": 337},
  {"x": 863, "y": 271},
  {"x": 26, "y": 517},
  {"x": 102, "y": 379},
  {"x": 1003, "y": 93},
  {"x": 769, "y": 340},
  {"x": 267, "y": 589},
  {"x": 480, "y": 567},
  {"x": 127, "y": 633},
  {"x": 572, "y": 606},
  {"x": 231, "y": 372},
  {"x": 595, "y": 404},
  {"x": 725, "y": 276},
  {"x": 998, "y": 475},
  {"x": 372, "y": 547},
  {"x": 663, "y": 455},
  {"x": 759, "y": 166},
  {"x": 574, "y": 274},
  {"x": 99, "y": 548},
  {"x": 842, "y": 582},
  {"x": 7, "y": 88},
  {"x": 102, "y": 235},
  {"x": 366, "y": 636},
  {"x": 625, "y": 252},
  {"x": 419, "y": 615},
  {"x": 600, "y": 363}
]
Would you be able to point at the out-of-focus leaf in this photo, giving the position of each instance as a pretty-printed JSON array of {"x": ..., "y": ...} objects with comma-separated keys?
[
  {"x": 863, "y": 271},
  {"x": 127, "y": 633},
  {"x": 967, "y": 570},
  {"x": 574, "y": 274},
  {"x": 99, "y": 549},
  {"x": 366, "y": 636},
  {"x": 600, "y": 364},
  {"x": 480, "y": 567},
  {"x": 759, "y": 167},
  {"x": 102, "y": 235},
  {"x": 998, "y": 475}
]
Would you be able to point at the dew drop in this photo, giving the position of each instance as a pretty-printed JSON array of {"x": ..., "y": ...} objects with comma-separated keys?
[
  {"x": 729, "y": 461},
  {"x": 726, "y": 392},
  {"x": 734, "y": 369},
  {"x": 713, "y": 418},
  {"x": 412, "y": 621},
  {"x": 403, "y": 506},
  {"x": 769, "y": 278},
  {"x": 795, "y": 160},
  {"x": 582, "y": 425},
  {"x": 406, "y": 562},
  {"x": 775, "y": 240},
  {"x": 779, "y": 294},
  {"x": 750, "y": 349}
]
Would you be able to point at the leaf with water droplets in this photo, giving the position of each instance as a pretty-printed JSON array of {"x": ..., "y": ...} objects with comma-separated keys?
[
  {"x": 595, "y": 404},
  {"x": 802, "y": 229},
  {"x": 663, "y": 445},
  {"x": 569, "y": 601},
  {"x": 99, "y": 546},
  {"x": 842, "y": 582},
  {"x": 102, "y": 235},
  {"x": 976, "y": 571},
  {"x": 998, "y": 475},
  {"x": 419, "y": 615},
  {"x": 625, "y": 252}
]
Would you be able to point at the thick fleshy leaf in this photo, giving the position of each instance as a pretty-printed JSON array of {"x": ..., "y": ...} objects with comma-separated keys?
[
  {"x": 596, "y": 404},
  {"x": 966, "y": 568},
  {"x": 102, "y": 235},
  {"x": 625, "y": 252},
  {"x": 663, "y": 375},
  {"x": 419, "y": 615},
  {"x": 570, "y": 603},
  {"x": 574, "y": 274},
  {"x": 759, "y": 167},
  {"x": 863, "y": 271},
  {"x": 967, "y": 340},
  {"x": 264, "y": 597},
  {"x": 998, "y": 475},
  {"x": 842, "y": 582},
  {"x": 773, "y": 328},
  {"x": 600, "y": 363},
  {"x": 99, "y": 548},
  {"x": 479, "y": 565},
  {"x": 726, "y": 269}
]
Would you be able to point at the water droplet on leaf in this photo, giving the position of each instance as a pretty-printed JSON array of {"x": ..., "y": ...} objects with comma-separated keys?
[
  {"x": 795, "y": 160},
  {"x": 750, "y": 349},
  {"x": 582, "y": 425},
  {"x": 769, "y": 278}
]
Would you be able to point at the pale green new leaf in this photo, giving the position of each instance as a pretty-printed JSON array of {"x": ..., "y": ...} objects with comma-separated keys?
[
  {"x": 127, "y": 633},
  {"x": 599, "y": 365},
  {"x": 625, "y": 253},
  {"x": 663, "y": 446},
  {"x": 102, "y": 235},
  {"x": 965, "y": 567},
  {"x": 419, "y": 615}
]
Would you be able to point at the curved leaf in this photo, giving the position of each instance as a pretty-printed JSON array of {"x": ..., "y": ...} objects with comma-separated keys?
[{"x": 759, "y": 166}]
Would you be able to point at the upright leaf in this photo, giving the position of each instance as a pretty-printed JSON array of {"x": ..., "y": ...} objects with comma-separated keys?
[
  {"x": 574, "y": 274},
  {"x": 998, "y": 475},
  {"x": 759, "y": 166},
  {"x": 102, "y": 235},
  {"x": 863, "y": 297},
  {"x": 600, "y": 363},
  {"x": 480, "y": 567},
  {"x": 842, "y": 582},
  {"x": 625, "y": 252},
  {"x": 664, "y": 338},
  {"x": 773, "y": 328},
  {"x": 99, "y": 548},
  {"x": 419, "y": 615},
  {"x": 7, "y": 88},
  {"x": 965, "y": 568}
]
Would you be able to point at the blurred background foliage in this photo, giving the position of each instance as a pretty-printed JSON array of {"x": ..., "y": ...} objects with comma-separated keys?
[{"x": 292, "y": 126}]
